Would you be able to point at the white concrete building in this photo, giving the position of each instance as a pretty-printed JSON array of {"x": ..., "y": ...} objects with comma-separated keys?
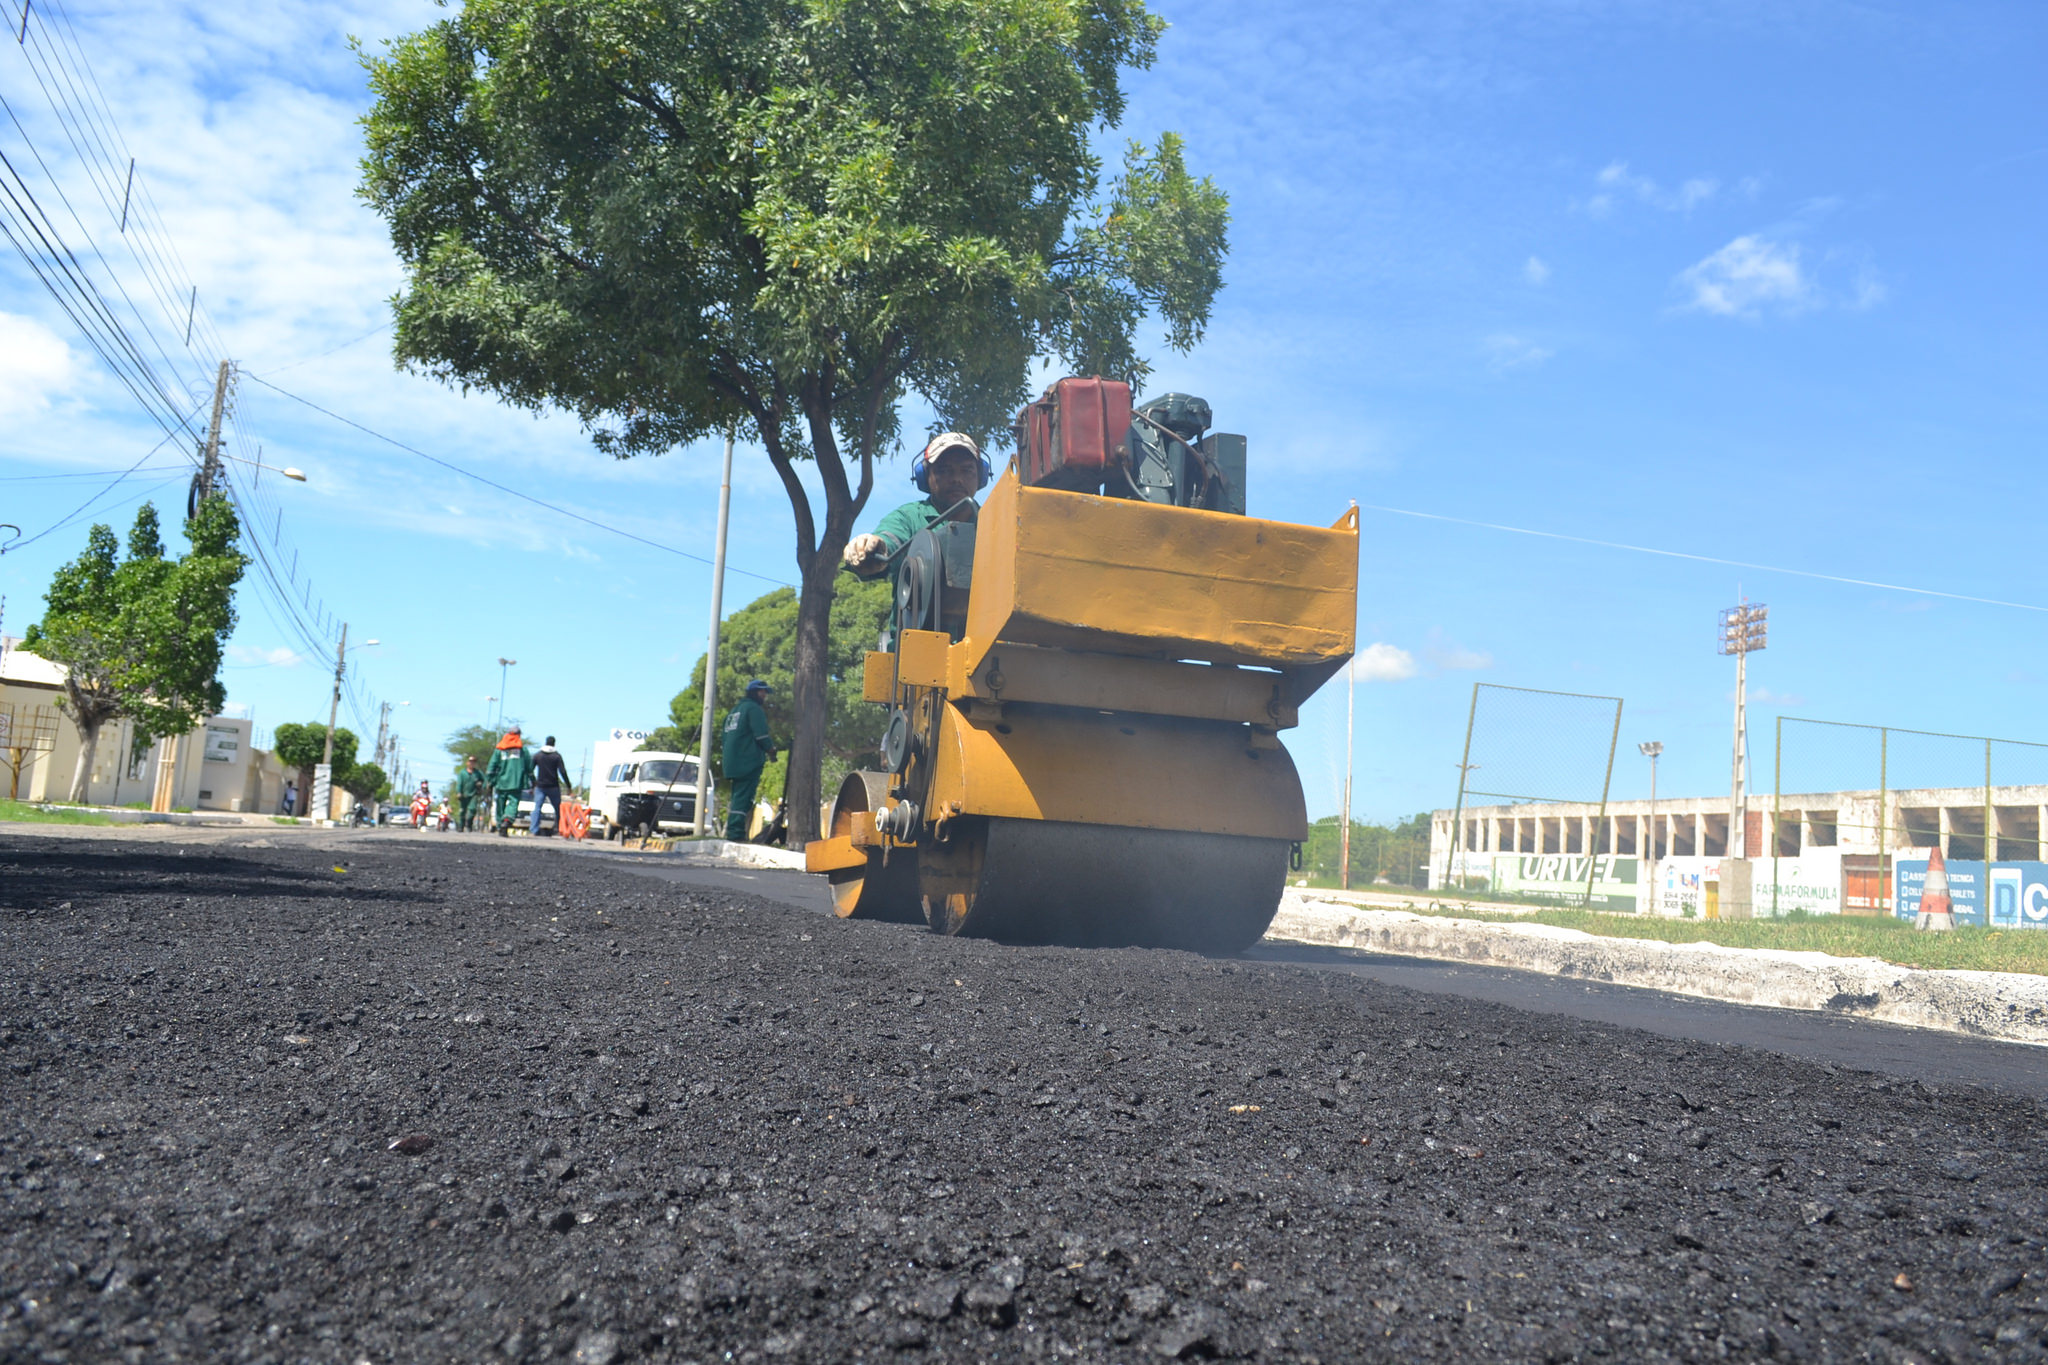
[
  {"x": 1824, "y": 852},
  {"x": 216, "y": 767}
]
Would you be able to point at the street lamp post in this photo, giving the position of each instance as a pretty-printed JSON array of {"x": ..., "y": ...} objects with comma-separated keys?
[
  {"x": 1650, "y": 749},
  {"x": 334, "y": 707},
  {"x": 503, "y": 665}
]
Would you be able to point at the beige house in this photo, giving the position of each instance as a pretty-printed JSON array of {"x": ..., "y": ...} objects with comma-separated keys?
[{"x": 215, "y": 767}]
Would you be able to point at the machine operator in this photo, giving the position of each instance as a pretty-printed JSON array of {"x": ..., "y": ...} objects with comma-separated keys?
[{"x": 949, "y": 472}]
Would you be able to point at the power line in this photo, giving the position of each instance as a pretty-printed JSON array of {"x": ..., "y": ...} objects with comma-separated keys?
[
  {"x": 492, "y": 483},
  {"x": 1703, "y": 559},
  {"x": 80, "y": 510}
]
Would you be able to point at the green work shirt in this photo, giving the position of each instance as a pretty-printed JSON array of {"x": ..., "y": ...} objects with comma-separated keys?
[
  {"x": 510, "y": 770},
  {"x": 897, "y": 530},
  {"x": 467, "y": 782},
  {"x": 746, "y": 740}
]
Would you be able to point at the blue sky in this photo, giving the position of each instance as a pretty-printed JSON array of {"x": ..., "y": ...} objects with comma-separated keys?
[{"x": 1759, "y": 282}]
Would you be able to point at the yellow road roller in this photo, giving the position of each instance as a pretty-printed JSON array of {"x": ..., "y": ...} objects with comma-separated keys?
[{"x": 1085, "y": 687}]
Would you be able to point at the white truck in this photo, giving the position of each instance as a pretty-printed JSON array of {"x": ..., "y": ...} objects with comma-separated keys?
[{"x": 619, "y": 768}]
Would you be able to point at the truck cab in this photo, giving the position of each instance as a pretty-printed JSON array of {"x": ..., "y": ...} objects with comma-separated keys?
[{"x": 669, "y": 778}]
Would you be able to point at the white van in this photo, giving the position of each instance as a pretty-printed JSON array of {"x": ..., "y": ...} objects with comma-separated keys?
[{"x": 671, "y": 778}]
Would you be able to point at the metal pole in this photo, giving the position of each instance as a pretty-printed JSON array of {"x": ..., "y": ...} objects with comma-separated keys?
[
  {"x": 1655, "y": 828},
  {"x": 1777, "y": 806},
  {"x": 1738, "y": 832},
  {"x": 711, "y": 652},
  {"x": 1464, "y": 767},
  {"x": 334, "y": 707},
  {"x": 1350, "y": 711},
  {"x": 1883, "y": 817},
  {"x": 1600, "y": 824},
  {"x": 1984, "y": 886}
]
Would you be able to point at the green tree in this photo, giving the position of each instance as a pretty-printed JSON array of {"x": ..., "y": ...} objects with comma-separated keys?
[
  {"x": 679, "y": 217},
  {"x": 1395, "y": 853},
  {"x": 758, "y": 641},
  {"x": 142, "y": 637},
  {"x": 302, "y": 746},
  {"x": 474, "y": 741}
]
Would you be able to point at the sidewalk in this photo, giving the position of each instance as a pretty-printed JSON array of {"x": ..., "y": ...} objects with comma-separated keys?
[{"x": 2007, "y": 1005}]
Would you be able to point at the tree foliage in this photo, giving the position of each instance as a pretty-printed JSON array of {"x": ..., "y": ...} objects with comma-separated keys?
[
  {"x": 474, "y": 741},
  {"x": 141, "y": 637},
  {"x": 677, "y": 217},
  {"x": 1395, "y": 853},
  {"x": 302, "y": 747},
  {"x": 756, "y": 642}
]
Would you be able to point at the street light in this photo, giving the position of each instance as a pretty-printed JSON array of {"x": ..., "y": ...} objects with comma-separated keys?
[
  {"x": 503, "y": 664},
  {"x": 1650, "y": 749},
  {"x": 287, "y": 470}
]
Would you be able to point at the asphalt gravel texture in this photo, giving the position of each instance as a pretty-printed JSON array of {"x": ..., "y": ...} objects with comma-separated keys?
[{"x": 410, "y": 1098}]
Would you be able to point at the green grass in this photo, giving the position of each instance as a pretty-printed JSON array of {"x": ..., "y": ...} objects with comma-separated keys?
[
  {"x": 1892, "y": 940},
  {"x": 23, "y": 812}
]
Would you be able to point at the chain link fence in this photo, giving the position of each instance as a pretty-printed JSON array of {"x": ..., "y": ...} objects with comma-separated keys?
[
  {"x": 1524, "y": 745},
  {"x": 1884, "y": 799}
]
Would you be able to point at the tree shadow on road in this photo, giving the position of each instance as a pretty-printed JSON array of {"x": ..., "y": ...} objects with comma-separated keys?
[{"x": 84, "y": 873}]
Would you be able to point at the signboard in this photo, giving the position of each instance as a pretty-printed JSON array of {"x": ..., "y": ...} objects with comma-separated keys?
[
  {"x": 1561, "y": 877},
  {"x": 637, "y": 736},
  {"x": 223, "y": 744},
  {"x": 322, "y": 804},
  {"x": 1811, "y": 882},
  {"x": 2017, "y": 892}
]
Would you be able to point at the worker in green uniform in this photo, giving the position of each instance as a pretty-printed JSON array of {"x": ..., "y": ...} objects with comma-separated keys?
[
  {"x": 469, "y": 784},
  {"x": 510, "y": 773},
  {"x": 747, "y": 750},
  {"x": 949, "y": 471}
]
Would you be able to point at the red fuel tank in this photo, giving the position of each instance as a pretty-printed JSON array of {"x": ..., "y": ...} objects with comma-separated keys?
[{"x": 1074, "y": 434}]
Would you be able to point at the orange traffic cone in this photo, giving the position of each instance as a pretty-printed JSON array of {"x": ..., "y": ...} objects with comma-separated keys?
[{"x": 1936, "y": 911}]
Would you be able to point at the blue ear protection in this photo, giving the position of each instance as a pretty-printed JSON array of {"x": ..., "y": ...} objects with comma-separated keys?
[{"x": 920, "y": 474}]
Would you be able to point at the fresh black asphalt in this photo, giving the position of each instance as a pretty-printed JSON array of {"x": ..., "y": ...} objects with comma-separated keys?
[{"x": 432, "y": 1099}]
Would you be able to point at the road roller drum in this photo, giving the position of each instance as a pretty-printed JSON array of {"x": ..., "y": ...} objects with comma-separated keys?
[{"x": 1084, "y": 693}]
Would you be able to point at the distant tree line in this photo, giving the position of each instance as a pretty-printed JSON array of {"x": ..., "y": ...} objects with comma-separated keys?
[{"x": 1398, "y": 854}]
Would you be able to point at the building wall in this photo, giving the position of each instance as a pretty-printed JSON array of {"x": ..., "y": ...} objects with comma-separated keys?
[
  {"x": 217, "y": 766},
  {"x": 1792, "y": 826}
]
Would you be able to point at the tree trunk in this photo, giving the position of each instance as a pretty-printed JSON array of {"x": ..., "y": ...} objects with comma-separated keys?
[
  {"x": 88, "y": 746},
  {"x": 807, "y": 696}
]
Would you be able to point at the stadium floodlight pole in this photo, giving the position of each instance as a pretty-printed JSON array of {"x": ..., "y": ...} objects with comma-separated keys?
[
  {"x": 1743, "y": 631},
  {"x": 711, "y": 653},
  {"x": 1647, "y": 848}
]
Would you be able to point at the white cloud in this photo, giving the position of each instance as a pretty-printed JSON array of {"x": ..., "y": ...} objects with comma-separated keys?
[
  {"x": 250, "y": 656},
  {"x": 1536, "y": 271},
  {"x": 35, "y": 366},
  {"x": 1616, "y": 179},
  {"x": 1448, "y": 657},
  {"x": 1380, "y": 662},
  {"x": 1506, "y": 351},
  {"x": 1747, "y": 277}
]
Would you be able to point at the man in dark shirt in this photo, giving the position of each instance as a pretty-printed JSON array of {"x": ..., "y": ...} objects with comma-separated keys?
[{"x": 549, "y": 771}]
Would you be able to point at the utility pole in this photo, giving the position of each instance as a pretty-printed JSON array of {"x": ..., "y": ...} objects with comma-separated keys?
[
  {"x": 383, "y": 729},
  {"x": 1744, "y": 630},
  {"x": 1350, "y": 712},
  {"x": 334, "y": 707},
  {"x": 711, "y": 653},
  {"x": 207, "y": 481},
  {"x": 203, "y": 487},
  {"x": 1647, "y": 853}
]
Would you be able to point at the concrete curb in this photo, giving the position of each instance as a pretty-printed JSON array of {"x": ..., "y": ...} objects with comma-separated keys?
[
  {"x": 2011, "y": 1006},
  {"x": 122, "y": 815},
  {"x": 724, "y": 853}
]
